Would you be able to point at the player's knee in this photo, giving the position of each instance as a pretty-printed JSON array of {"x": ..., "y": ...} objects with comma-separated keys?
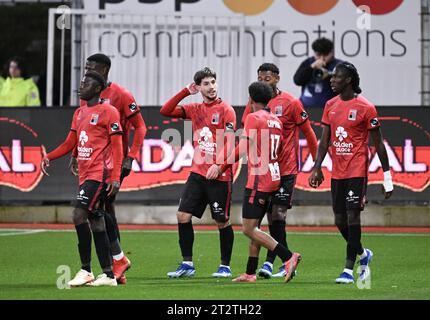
[
  {"x": 222, "y": 224},
  {"x": 248, "y": 231},
  {"x": 97, "y": 224},
  {"x": 354, "y": 217},
  {"x": 79, "y": 216},
  {"x": 183, "y": 217}
]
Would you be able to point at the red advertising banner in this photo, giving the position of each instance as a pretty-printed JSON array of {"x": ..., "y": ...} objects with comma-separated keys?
[
  {"x": 19, "y": 161},
  {"x": 409, "y": 163},
  {"x": 162, "y": 167}
]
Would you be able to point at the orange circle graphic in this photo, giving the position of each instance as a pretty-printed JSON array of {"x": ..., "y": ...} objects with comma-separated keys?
[
  {"x": 313, "y": 7},
  {"x": 248, "y": 7}
]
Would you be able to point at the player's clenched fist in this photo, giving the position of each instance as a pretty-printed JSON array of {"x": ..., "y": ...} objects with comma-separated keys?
[
  {"x": 316, "y": 178},
  {"x": 213, "y": 172}
]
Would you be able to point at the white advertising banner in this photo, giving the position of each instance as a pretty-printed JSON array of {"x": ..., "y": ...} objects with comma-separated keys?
[{"x": 156, "y": 46}]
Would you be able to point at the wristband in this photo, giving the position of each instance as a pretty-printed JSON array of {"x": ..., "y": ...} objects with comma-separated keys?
[{"x": 388, "y": 182}]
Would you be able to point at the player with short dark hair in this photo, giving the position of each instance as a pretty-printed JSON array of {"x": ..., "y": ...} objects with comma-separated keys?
[
  {"x": 262, "y": 140},
  {"x": 294, "y": 118},
  {"x": 348, "y": 119},
  {"x": 130, "y": 115},
  {"x": 214, "y": 122},
  {"x": 96, "y": 134}
]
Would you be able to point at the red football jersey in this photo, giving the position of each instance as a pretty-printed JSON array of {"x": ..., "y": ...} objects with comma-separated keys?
[
  {"x": 264, "y": 133},
  {"x": 124, "y": 101},
  {"x": 207, "y": 119},
  {"x": 350, "y": 122},
  {"x": 94, "y": 126},
  {"x": 291, "y": 113}
]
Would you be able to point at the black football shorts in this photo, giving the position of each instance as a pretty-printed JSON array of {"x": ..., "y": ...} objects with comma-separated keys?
[
  {"x": 348, "y": 194},
  {"x": 255, "y": 204},
  {"x": 199, "y": 192},
  {"x": 284, "y": 195},
  {"x": 90, "y": 193}
]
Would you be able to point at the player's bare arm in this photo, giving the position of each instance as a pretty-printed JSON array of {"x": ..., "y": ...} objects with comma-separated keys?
[
  {"x": 387, "y": 188},
  {"x": 317, "y": 177},
  {"x": 73, "y": 166},
  {"x": 68, "y": 145},
  {"x": 139, "y": 136},
  {"x": 114, "y": 185}
]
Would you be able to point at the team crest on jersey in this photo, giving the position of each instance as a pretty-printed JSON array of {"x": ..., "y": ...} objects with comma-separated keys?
[
  {"x": 132, "y": 107},
  {"x": 304, "y": 115},
  {"x": 94, "y": 119},
  {"x": 278, "y": 111},
  {"x": 352, "y": 115},
  {"x": 114, "y": 126},
  {"x": 374, "y": 122},
  {"x": 215, "y": 118}
]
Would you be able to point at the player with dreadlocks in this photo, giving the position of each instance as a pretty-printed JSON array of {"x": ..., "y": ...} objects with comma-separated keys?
[{"x": 347, "y": 121}]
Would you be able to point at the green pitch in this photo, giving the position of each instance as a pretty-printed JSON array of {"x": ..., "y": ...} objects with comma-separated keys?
[{"x": 29, "y": 262}]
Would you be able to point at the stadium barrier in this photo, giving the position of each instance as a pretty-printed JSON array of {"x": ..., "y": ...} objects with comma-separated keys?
[{"x": 161, "y": 169}]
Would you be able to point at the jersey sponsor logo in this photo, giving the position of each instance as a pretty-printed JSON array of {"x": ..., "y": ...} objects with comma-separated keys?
[
  {"x": 84, "y": 153},
  {"x": 114, "y": 126},
  {"x": 94, "y": 119},
  {"x": 20, "y": 155},
  {"x": 374, "y": 122},
  {"x": 278, "y": 111},
  {"x": 304, "y": 115},
  {"x": 83, "y": 137},
  {"x": 342, "y": 148},
  {"x": 132, "y": 107},
  {"x": 215, "y": 118},
  {"x": 205, "y": 142},
  {"x": 341, "y": 133},
  {"x": 352, "y": 115}
]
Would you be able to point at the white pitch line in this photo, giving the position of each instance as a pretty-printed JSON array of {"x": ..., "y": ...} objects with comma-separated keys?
[
  {"x": 307, "y": 233},
  {"x": 18, "y": 232}
]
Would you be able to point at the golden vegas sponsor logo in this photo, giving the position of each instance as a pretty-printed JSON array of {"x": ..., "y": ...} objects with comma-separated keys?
[{"x": 342, "y": 148}]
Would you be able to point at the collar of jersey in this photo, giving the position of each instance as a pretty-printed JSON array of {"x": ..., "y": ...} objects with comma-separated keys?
[{"x": 218, "y": 100}]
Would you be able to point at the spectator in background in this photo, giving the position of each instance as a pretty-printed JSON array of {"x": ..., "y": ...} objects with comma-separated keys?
[
  {"x": 18, "y": 90},
  {"x": 314, "y": 74}
]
